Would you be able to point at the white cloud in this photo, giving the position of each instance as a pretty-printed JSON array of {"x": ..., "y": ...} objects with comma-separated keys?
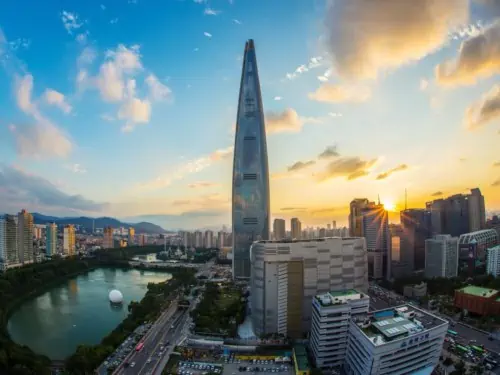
[
  {"x": 103, "y": 7},
  {"x": 82, "y": 37},
  {"x": 134, "y": 110},
  {"x": 19, "y": 43},
  {"x": 77, "y": 168},
  {"x": 113, "y": 21},
  {"x": 424, "y": 84},
  {"x": 208, "y": 35},
  {"x": 277, "y": 98},
  {"x": 107, "y": 117},
  {"x": 314, "y": 62},
  {"x": 340, "y": 93},
  {"x": 23, "y": 91},
  {"x": 211, "y": 12},
  {"x": 287, "y": 121},
  {"x": 70, "y": 21},
  {"x": 87, "y": 56},
  {"x": 335, "y": 114},
  {"x": 54, "y": 97},
  {"x": 237, "y": 22},
  {"x": 157, "y": 90},
  {"x": 485, "y": 110},
  {"x": 196, "y": 49}
]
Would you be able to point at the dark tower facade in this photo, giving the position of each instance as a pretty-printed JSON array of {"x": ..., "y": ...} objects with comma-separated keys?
[{"x": 250, "y": 202}]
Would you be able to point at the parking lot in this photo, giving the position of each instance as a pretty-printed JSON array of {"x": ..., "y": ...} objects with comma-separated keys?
[
  {"x": 234, "y": 365},
  {"x": 196, "y": 368}
]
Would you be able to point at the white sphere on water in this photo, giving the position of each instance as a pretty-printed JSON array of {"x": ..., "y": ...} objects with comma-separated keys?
[{"x": 115, "y": 296}]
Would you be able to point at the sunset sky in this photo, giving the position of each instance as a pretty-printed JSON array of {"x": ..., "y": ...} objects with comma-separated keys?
[{"x": 127, "y": 108}]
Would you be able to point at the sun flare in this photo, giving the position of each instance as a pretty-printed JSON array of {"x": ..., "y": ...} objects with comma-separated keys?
[{"x": 389, "y": 206}]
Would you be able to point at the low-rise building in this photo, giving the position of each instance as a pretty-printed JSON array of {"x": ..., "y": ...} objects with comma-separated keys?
[
  {"x": 415, "y": 290},
  {"x": 331, "y": 316},
  {"x": 395, "y": 341},
  {"x": 481, "y": 301}
]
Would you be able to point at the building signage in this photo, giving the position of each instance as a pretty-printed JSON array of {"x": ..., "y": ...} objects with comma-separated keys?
[{"x": 414, "y": 340}]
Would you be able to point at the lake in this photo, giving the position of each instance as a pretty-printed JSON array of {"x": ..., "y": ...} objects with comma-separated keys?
[{"x": 78, "y": 311}]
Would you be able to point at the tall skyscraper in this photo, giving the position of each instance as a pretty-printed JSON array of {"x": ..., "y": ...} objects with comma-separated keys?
[
  {"x": 25, "y": 237},
  {"x": 356, "y": 218},
  {"x": 131, "y": 236},
  {"x": 209, "y": 239},
  {"x": 416, "y": 228},
  {"x": 279, "y": 229},
  {"x": 296, "y": 228},
  {"x": 108, "y": 241},
  {"x": 69, "y": 239},
  {"x": 250, "y": 168},
  {"x": 9, "y": 255},
  {"x": 51, "y": 239},
  {"x": 441, "y": 258}
]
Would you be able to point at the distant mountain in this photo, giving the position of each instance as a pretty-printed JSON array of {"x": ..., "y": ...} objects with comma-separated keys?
[{"x": 100, "y": 222}]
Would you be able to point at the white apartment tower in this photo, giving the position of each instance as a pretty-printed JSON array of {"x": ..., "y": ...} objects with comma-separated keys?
[
  {"x": 25, "y": 237},
  {"x": 493, "y": 261},
  {"x": 395, "y": 341},
  {"x": 9, "y": 255},
  {"x": 286, "y": 275},
  {"x": 209, "y": 239},
  {"x": 198, "y": 239},
  {"x": 441, "y": 256},
  {"x": 331, "y": 316}
]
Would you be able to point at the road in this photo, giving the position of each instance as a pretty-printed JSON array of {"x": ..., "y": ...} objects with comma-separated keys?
[
  {"x": 466, "y": 333},
  {"x": 152, "y": 338}
]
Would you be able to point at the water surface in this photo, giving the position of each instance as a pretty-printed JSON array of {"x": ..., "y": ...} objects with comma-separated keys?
[{"x": 78, "y": 311}]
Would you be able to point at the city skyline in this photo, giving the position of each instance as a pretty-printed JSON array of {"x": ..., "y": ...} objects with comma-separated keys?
[{"x": 109, "y": 128}]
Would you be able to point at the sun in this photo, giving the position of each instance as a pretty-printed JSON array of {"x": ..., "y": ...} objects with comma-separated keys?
[{"x": 389, "y": 205}]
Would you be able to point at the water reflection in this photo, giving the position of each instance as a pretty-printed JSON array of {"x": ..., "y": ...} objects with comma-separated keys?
[{"x": 77, "y": 312}]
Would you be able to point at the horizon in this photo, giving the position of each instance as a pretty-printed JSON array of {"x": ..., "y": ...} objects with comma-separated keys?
[{"x": 120, "y": 111}]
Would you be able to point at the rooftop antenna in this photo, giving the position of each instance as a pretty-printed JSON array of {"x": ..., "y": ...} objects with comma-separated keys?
[
  {"x": 406, "y": 200},
  {"x": 379, "y": 199}
]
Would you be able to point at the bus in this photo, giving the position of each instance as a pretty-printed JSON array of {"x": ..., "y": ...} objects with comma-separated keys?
[
  {"x": 477, "y": 349},
  {"x": 462, "y": 348},
  {"x": 139, "y": 346},
  {"x": 452, "y": 333}
]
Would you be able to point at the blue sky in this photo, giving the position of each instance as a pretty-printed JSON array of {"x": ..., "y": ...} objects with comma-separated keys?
[{"x": 127, "y": 108}]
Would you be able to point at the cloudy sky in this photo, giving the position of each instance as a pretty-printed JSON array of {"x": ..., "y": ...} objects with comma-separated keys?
[{"x": 126, "y": 108}]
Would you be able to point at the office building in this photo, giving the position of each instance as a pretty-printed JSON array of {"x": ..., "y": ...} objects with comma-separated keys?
[
  {"x": 198, "y": 239},
  {"x": 477, "y": 211},
  {"x": 296, "y": 228},
  {"x": 25, "y": 237},
  {"x": 494, "y": 223},
  {"x": 9, "y": 255},
  {"x": 331, "y": 316},
  {"x": 209, "y": 239},
  {"x": 334, "y": 224},
  {"x": 279, "y": 231},
  {"x": 131, "y": 236},
  {"x": 395, "y": 341},
  {"x": 441, "y": 256},
  {"x": 493, "y": 261},
  {"x": 416, "y": 228},
  {"x": 51, "y": 240},
  {"x": 69, "y": 240},
  {"x": 108, "y": 241},
  {"x": 355, "y": 217},
  {"x": 474, "y": 245},
  {"x": 221, "y": 239},
  {"x": 375, "y": 228},
  {"x": 250, "y": 209},
  {"x": 286, "y": 275}
]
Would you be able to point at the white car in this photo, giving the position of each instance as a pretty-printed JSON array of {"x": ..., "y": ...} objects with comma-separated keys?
[
  {"x": 132, "y": 364},
  {"x": 149, "y": 360}
]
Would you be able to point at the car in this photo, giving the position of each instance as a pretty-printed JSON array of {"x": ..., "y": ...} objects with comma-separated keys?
[
  {"x": 149, "y": 360},
  {"x": 132, "y": 364}
]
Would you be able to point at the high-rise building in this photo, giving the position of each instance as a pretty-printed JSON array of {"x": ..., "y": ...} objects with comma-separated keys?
[
  {"x": 356, "y": 218},
  {"x": 221, "y": 239},
  {"x": 131, "y": 236},
  {"x": 494, "y": 223},
  {"x": 198, "y": 239},
  {"x": 250, "y": 211},
  {"x": 286, "y": 275},
  {"x": 25, "y": 237},
  {"x": 108, "y": 241},
  {"x": 142, "y": 240},
  {"x": 493, "y": 261},
  {"x": 9, "y": 255},
  {"x": 37, "y": 231},
  {"x": 474, "y": 245},
  {"x": 416, "y": 228},
  {"x": 51, "y": 239},
  {"x": 296, "y": 228},
  {"x": 69, "y": 240},
  {"x": 334, "y": 224},
  {"x": 441, "y": 256},
  {"x": 395, "y": 341},
  {"x": 375, "y": 228},
  {"x": 209, "y": 239},
  {"x": 279, "y": 231},
  {"x": 477, "y": 211},
  {"x": 331, "y": 316}
]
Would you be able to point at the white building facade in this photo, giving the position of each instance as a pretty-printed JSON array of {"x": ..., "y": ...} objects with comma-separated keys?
[
  {"x": 286, "y": 276},
  {"x": 331, "y": 316},
  {"x": 9, "y": 256},
  {"x": 493, "y": 261},
  {"x": 441, "y": 256},
  {"x": 403, "y": 340}
]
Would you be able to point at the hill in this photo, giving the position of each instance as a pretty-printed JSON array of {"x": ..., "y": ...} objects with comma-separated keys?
[{"x": 100, "y": 222}]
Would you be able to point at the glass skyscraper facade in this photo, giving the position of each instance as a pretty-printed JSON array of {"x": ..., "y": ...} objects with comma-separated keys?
[{"x": 250, "y": 168}]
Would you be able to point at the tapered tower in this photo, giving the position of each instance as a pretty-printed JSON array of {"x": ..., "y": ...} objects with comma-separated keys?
[{"x": 250, "y": 209}]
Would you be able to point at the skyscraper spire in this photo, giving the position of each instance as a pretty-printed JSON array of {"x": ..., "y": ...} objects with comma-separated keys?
[{"x": 250, "y": 209}]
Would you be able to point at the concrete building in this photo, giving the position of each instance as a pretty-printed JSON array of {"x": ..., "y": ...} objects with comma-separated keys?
[
  {"x": 209, "y": 239},
  {"x": 108, "y": 241},
  {"x": 25, "y": 237},
  {"x": 415, "y": 290},
  {"x": 296, "y": 229},
  {"x": 221, "y": 239},
  {"x": 494, "y": 223},
  {"x": 131, "y": 236},
  {"x": 286, "y": 275},
  {"x": 279, "y": 231},
  {"x": 477, "y": 300},
  {"x": 355, "y": 217},
  {"x": 141, "y": 241},
  {"x": 198, "y": 239},
  {"x": 441, "y": 256},
  {"x": 395, "y": 341},
  {"x": 493, "y": 261},
  {"x": 9, "y": 255},
  {"x": 415, "y": 229},
  {"x": 375, "y": 228},
  {"x": 331, "y": 316},
  {"x": 475, "y": 244},
  {"x": 69, "y": 240},
  {"x": 51, "y": 240}
]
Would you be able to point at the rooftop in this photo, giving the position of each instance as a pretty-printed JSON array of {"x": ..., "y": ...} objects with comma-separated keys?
[
  {"x": 339, "y": 297},
  {"x": 478, "y": 291},
  {"x": 289, "y": 240},
  {"x": 405, "y": 321}
]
